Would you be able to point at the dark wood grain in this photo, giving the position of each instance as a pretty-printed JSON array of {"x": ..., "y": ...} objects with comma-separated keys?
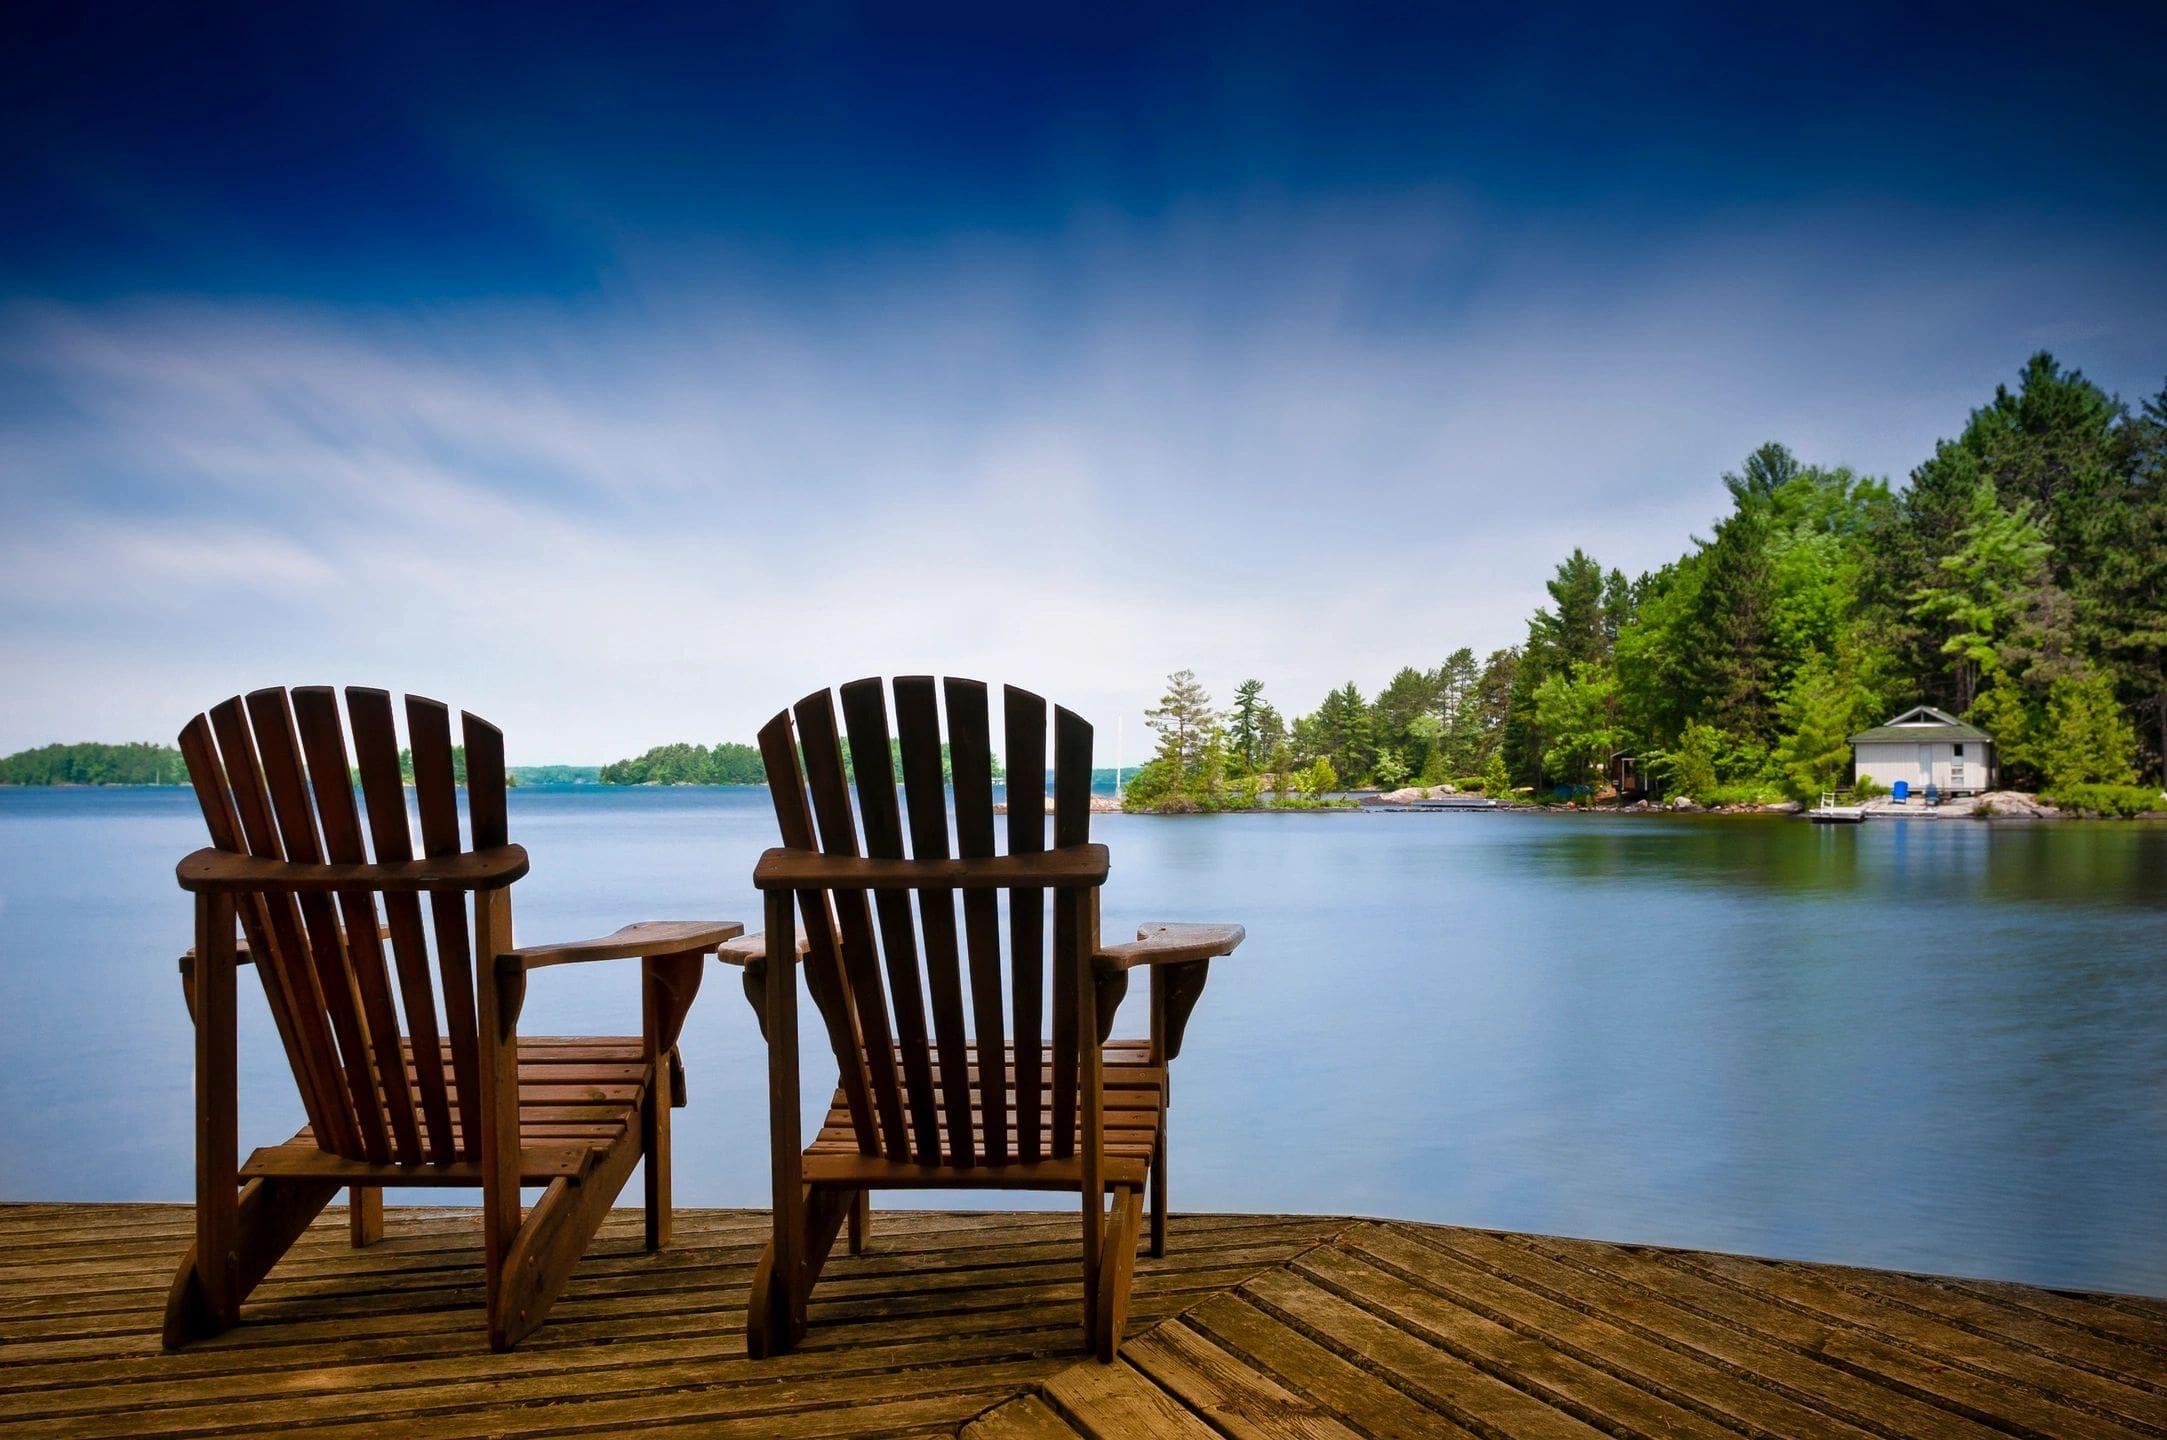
[
  {"x": 1024, "y": 729},
  {"x": 970, "y": 752},
  {"x": 436, "y": 801},
  {"x": 865, "y": 717},
  {"x": 821, "y": 744},
  {"x": 918, "y": 726},
  {"x": 376, "y": 755}
]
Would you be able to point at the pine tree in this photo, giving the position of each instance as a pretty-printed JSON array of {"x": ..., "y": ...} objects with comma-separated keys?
[
  {"x": 1183, "y": 718},
  {"x": 1246, "y": 733}
]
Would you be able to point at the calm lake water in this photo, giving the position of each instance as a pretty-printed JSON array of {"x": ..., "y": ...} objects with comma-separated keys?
[{"x": 1937, "y": 1047}]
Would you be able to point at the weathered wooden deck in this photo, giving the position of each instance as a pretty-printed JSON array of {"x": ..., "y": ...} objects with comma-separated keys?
[{"x": 1252, "y": 1326}]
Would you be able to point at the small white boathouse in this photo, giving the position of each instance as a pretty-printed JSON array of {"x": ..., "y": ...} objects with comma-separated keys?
[{"x": 1922, "y": 747}]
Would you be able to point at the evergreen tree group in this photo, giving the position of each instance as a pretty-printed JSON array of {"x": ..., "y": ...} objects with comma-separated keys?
[{"x": 2019, "y": 580}]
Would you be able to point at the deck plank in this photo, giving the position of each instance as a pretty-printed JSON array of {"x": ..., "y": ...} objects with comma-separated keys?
[{"x": 1251, "y": 1328}]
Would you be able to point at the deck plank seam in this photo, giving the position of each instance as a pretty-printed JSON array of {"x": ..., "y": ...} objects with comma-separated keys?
[
  {"x": 1525, "y": 1385},
  {"x": 2016, "y": 1304},
  {"x": 1148, "y": 1360},
  {"x": 1706, "y": 1409},
  {"x": 501, "y": 1407},
  {"x": 1806, "y": 1353},
  {"x": 408, "y": 1279},
  {"x": 2013, "y": 1342},
  {"x": 2073, "y": 1405},
  {"x": 1046, "y": 1393},
  {"x": 1036, "y": 1341},
  {"x": 1559, "y": 1251},
  {"x": 1414, "y": 1389},
  {"x": 1263, "y": 1366},
  {"x": 1686, "y": 1348},
  {"x": 1933, "y": 1356}
]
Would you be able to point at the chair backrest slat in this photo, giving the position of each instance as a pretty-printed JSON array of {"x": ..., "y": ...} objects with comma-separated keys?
[
  {"x": 822, "y": 744},
  {"x": 323, "y": 744},
  {"x": 865, "y": 717},
  {"x": 289, "y": 953},
  {"x": 376, "y": 755},
  {"x": 918, "y": 731},
  {"x": 436, "y": 801},
  {"x": 486, "y": 817},
  {"x": 199, "y": 752},
  {"x": 1024, "y": 732},
  {"x": 1071, "y": 826},
  {"x": 970, "y": 757},
  {"x": 824, "y": 978},
  {"x": 277, "y": 745}
]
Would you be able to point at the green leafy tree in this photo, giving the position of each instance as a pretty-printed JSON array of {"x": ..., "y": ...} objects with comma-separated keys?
[
  {"x": 1495, "y": 780},
  {"x": 1409, "y": 696},
  {"x": 1983, "y": 587},
  {"x": 1318, "y": 780},
  {"x": 1688, "y": 768},
  {"x": 1389, "y": 772},
  {"x": 1579, "y": 714},
  {"x": 1819, "y": 715},
  {"x": 2087, "y": 740}
]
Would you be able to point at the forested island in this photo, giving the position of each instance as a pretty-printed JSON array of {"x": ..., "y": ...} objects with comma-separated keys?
[
  {"x": 142, "y": 763},
  {"x": 730, "y": 763},
  {"x": 2018, "y": 580}
]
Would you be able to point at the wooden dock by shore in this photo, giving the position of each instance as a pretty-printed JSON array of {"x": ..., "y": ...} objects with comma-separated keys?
[{"x": 1253, "y": 1326}]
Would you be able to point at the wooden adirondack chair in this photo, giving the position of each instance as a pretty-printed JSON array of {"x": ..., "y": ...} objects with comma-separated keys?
[
  {"x": 459, "y": 1098},
  {"x": 984, "y": 1096}
]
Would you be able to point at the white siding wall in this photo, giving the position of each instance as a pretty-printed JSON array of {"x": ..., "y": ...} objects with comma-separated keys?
[{"x": 1889, "y": 763}]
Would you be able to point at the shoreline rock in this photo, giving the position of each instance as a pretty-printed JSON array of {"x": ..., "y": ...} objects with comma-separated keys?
[
  {"x": 1412, "y": 793},
  {"x": 1100, "y": 805}
]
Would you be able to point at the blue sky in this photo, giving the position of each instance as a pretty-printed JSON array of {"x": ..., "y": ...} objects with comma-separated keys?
[{"x": 623, "y": 373}]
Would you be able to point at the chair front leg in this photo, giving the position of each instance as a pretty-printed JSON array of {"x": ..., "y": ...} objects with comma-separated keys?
[
  {"x": 501, "y": 994},
  {"x": 1091, "y": 1103},
  {"x": 776, "y": 1318},
  {"x": 668, "y": 983},
  {"x": 206, "y": 1295}
]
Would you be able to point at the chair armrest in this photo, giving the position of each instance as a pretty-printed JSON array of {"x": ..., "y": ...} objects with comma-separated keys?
[
  {"x": 1161, "y": 943},
  {"x": 647, "y": 939},
  {"x": 749, "y": 954},
  {"x": 216, "y": 870},
  {"x": 1069, "y": 867},
  {"x": 752, "y": 949}
]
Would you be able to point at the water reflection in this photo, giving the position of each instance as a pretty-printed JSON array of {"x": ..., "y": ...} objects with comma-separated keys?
[{"x": 1933, "y": 1045}]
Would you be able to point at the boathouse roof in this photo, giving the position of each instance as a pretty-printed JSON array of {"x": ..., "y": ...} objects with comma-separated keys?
[{"x": 1920, "y": 722}]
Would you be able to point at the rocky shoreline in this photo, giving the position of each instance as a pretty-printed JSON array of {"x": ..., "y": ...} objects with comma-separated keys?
[{"x": 1994, "y": 804}]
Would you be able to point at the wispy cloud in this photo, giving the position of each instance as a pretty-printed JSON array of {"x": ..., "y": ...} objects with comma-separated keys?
[{"x": 1305, "y": 443}]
